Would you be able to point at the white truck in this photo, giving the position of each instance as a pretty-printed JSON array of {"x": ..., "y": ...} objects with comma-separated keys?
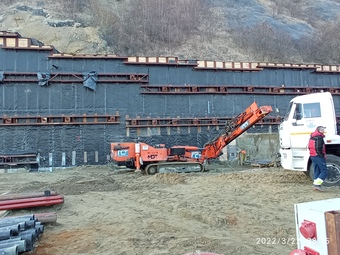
[{"x": 304, "y": 114}]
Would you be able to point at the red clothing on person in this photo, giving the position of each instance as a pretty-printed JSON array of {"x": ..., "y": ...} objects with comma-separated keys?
[{"x": 316, "y": 144}]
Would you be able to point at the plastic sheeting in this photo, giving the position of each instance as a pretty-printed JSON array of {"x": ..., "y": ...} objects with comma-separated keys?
[
  {"x": 43, "y": 78},
  {"x": 90, "y": 80}
]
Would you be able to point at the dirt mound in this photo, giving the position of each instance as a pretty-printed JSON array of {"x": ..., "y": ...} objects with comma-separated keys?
[
  {"x": 73, "y": 185},
  {"x": 33, "y": 186},
  {"x": 269, "y": 176},
  {"x": 168, "y": 178},
  {"x": 210, "y": 219},
  {"x": 80, "y": 185}
]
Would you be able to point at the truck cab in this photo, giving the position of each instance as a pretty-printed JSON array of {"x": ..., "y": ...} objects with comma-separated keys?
[{"x": 303, "y": 115}]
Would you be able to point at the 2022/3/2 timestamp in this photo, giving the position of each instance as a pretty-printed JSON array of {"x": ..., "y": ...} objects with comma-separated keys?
[{"x": 275, "y": 240}]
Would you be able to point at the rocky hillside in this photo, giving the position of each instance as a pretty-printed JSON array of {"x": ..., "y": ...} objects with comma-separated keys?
[{"x": 228, "y": 30}]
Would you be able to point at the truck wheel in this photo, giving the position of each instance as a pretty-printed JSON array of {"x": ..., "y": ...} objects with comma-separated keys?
[
  {"x": 150, "y": 170},
  {"x": 307, "y": 173},
  {"x": 333, "y": 165}
]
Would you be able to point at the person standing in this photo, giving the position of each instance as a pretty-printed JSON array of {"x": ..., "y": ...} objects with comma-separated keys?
[{"x": 317, "y": 152}]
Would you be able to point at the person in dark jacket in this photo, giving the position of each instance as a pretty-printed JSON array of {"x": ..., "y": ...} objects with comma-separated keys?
[{"x": 317, "y": 152}]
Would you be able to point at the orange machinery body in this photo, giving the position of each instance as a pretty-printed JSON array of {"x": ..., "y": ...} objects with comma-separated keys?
[
  {"x": 139, "y": 155},
  {"x": 144, "y": 156}
]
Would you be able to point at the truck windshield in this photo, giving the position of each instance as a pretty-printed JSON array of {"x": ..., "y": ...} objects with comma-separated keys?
[{"x": 288, "y": 110}]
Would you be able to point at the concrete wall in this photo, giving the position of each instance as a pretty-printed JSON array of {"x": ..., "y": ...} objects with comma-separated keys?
[{"x": 258, "y": 146}]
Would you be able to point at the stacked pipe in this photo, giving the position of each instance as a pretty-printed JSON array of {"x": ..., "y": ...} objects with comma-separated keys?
[
  {"x": 18, "y": 234},
  {"x": 20, "y": 201}
]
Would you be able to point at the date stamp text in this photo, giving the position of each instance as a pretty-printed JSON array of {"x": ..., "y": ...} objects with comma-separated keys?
[{"x": 275, "y": 240}]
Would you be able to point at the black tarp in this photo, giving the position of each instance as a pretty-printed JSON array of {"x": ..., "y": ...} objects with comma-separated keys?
[
  {"x": 90, "y": 80},
  {"x": 43, "y": 78}
]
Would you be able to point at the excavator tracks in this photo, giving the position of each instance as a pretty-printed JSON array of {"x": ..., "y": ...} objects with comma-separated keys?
[{"x": 174, "y": 167}]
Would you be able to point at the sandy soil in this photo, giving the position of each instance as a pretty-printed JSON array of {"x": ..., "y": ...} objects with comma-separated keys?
[{"x": 112, "y": 211}]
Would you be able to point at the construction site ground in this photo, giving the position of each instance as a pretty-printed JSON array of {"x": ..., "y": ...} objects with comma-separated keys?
[{"x": 227, "y": 210}]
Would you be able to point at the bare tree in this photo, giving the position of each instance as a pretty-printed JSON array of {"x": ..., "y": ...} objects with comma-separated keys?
[
  {"x": 323, "y": 45},
  {"x": 266, "y": 43},
  {"x": 103, "y": 16},
  {"x": 293, "y": 8},
  {"x": 151, "y": 26}
]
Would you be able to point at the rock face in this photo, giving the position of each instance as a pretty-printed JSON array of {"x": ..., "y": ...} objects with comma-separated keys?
[
  {"x": 71, "y": 29},
  {"x": 65, "y": 35}
]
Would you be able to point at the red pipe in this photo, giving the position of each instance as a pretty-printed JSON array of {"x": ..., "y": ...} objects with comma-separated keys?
[
  {"x": 29, "y": 200},
  {"x": 31, "y": 204},
  {"x": 25, "y": 195}
]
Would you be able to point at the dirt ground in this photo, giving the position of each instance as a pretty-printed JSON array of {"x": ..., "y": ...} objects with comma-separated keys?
[{"x": 226, "y": 210}]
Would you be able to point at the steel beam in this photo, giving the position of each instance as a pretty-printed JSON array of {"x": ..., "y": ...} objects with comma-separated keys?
[{"x": 233, "y": 89}]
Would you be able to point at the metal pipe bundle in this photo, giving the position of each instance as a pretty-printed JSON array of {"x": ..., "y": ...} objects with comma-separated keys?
[
  {"x": 22, "y": 225},
  {"x": 13, "y": 250},
  {"x": 22, "y": 221},
  {"x": 18, "y": 234},
  {"x": 20, "y": 243},
  {"x": 5, "y": 234},
  {"x": 40, "y": 228},
  {"x": 14, "y": 229},
  {"x": 23, "y": 217},
  {"x": 28, "y": 238}
]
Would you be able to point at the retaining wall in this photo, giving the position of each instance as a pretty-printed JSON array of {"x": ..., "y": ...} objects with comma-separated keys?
[{"x": 127, "y": 89}]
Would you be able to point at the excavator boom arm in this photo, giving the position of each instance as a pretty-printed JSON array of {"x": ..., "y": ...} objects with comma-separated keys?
[{"x": 234, "y": 129}]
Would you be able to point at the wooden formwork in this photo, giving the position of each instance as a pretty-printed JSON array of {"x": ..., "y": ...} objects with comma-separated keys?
[{"x": 333, "y": 232}]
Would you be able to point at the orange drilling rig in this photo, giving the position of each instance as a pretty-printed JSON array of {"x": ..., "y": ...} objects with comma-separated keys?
[{"x": 159, "y": 159}]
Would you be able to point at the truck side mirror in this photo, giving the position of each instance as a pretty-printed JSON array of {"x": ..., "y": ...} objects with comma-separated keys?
[{"x": 298, "y": 116}]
